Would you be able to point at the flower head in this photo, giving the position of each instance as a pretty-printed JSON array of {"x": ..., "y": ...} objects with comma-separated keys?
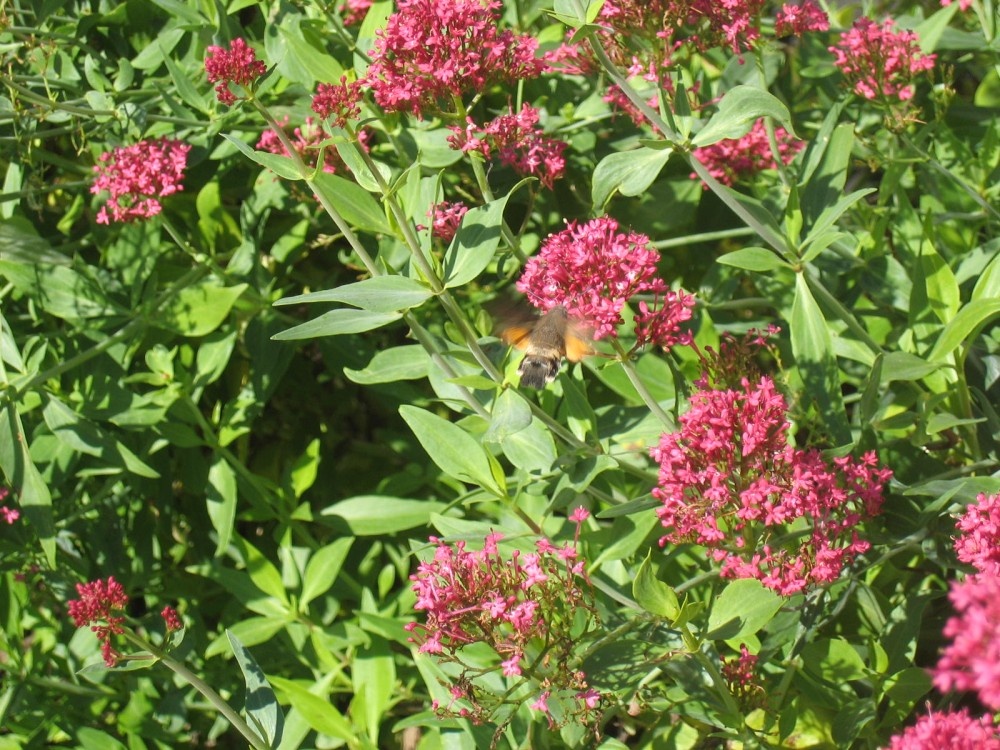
[
  {"x": 171, "y": 619},
  {"x": 433, "y": 50},
  {"x": 978, "y": 544},
  {"x": 137, "y": 177},
  {"x": 9, "y": 515},
  {"x": 972, "y": 660},
  {"x": 237, "y": 65},
  {"x": 517, "y": 142},
  {"x": 511, "y": 602},
  {"x": 880, "y": 63},
  {"x": 955, "y": 730},
  {"x": 446, "y": 218},
  {"x": 354, "y": 11},
  {"x": 801, "y": 18},
  {"x": 730, "y": 481},
  {"x": 660, "y": 325},
  {"x": 342, "y": 101},
  {"x": 733, "y": 159},
  {"x": 98, "y": 602},
  {"x": 592, "y": 270}
]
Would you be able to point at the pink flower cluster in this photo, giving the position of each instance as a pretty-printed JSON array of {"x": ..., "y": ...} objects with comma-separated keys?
[
  {"x": 592, "y": 270},
  {"x": 978, "y": 544},
  {"x": 800, "y": 19},
  {"x": 972, "y": 660},
  {"x": 730, "y": 160},
  {"x": 9, "y": 515},
  {"x": 730, "y": 481},
  {"x": 518, "y": 143},
  {"x": 137, "y": 176},
  {"x": 955, "y": 730},
  {"x": 520, "y": 605},
  {"x": 342, "y": 101},
  {"x": 880, "y": 63},
  {"x": 433, "y": 50},
  {"x": 446, "y": 218},
  {"x": 237, "y": 65},
  {"x": 741, "y": 676},
  {"x": 96, "y": 607},
  {"x": 171, "y": 619},
  {"x": 306, "y": 140},
  {"x": 354, "y": 11}
]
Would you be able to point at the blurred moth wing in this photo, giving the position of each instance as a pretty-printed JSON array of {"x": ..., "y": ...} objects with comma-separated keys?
[{"x": 545, "y": 340}]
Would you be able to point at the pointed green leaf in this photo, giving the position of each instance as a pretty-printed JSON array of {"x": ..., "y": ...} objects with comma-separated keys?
[
  {"x": 261, "y": 705},
  {"x": 652, "y": 594}
]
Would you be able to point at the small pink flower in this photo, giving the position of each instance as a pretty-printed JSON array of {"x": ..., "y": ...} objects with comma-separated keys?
[
  {"x": 972, "y": 660},
  {"x": 590, "y": 697},
  {"x": 237, "y": 65},
  {"x": 579, "y": 514},
  {"x": 962, "y": 4},
  {"x": 10, "y": 515},
  {"x": 341, "y": 101},
  {"x": 592, "y": 270},
  {"x": 446, "y": 218},
  {"x": 730, "y": 160},
  {"x": 879, "y": 62},
  {"x": 98, "y": 602},
  {"x": 801, "y": 18},
  {"x": 955, "y": 730},
  {"x": 517, "y": 142},
  {"x": 661, "y": 325},
  {"x": 306, "y": 140},
  {"x": 171, "y": 619},
  {"x": 542, "y": 704},
  {"x": 433, "y": 50},
  {"x": 979, "y": 543},
  {"x": 137, "y": 177},
  {"x": 512, "y": 666}
]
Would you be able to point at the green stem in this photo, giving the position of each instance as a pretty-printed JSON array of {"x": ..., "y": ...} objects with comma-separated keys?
[
  {"x": 202, "y": 687},
  {"x": 60, "y": 106},
  {"x": 640, "y": 387},
  {"x": 691, "y": 239}
]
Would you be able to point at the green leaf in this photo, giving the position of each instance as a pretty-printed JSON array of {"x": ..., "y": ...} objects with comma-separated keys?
[
  {"x": 261, "y": 705},
  {"x": 629, "y": 173},
  {"x": 220, "y": 502},
  {"x": 200, "y": 308},
  {"x": 399, "y": 363},
  {"x": 824, "y": 168},
  {"x": 317, "y": 711},
  {"x": 652, "y": 594},
  {"x": 531, "y": 449},
  {"x": 338, "y": 323},
  {"x": 20, "y": 243},
  {"x": 969, "y": 319},
  {"x": 833, "y": 660},
  {"x": 511, "y": 414},
  {"x": 377, "y": 294},
  {"x": 942, "y": 295},
  {"x": 353, "y": 202},
  {"x": 373, "y": 515},
  {"x": 455, "y": 452},
  {"x": 373, "y": 675},
  {"x": 812, "y": 347},
  {"x": 59, "y": 290},
  {"x": 282, "y": 166},
  {"x": 906, "y": 366},
  {"x": 929, "y": 32},
  {"x": 738, "y": 110},
  {"x": 475, "y": 242},
  {"x": 322, "y": 570},
  {"x": 250, "y": 631},
  {"x": 758, "y": 259},
  {"x": 34, "y": 500},
  {"x": 743, "y": 608},
  {"x": 261, "y": 571}
]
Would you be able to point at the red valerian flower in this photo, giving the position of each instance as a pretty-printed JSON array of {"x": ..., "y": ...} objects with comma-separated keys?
[
  {"x": 446, "y": 218},
  {"x": 733, "y": 159},
  {"x": 237, "y": 65},
  {"x": 171, "y": 619},
  {"x": 880, "y": 62},
  {"x": 972, "y": 660},
  {"x": 660, "y": 325},
  {"x": 801, "y": 18},
  {"x": 592, "y": 270},
  {"x": 955, "y": 730},
  {"x": 978, "y": 544},
  {"x": 434, "y": 50},
  {"x": 137, "y": 176},
  {"x": 517, "y": 142},
  {"x": 514, "y": 603},
  {"x": 730, "y": 481},
  {"x": 96, "y": 607},
  {"x": 342, "y": 101},
  {"x": 10, "y": 515},
  {"x": 354, "y": 11}
]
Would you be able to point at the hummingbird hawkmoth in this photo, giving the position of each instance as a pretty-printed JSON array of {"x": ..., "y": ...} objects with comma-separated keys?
[{"x": 545, "y": 339}]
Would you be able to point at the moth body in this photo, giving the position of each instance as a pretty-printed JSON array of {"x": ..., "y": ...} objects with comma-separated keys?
[{"x": 545, "y": 340}]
